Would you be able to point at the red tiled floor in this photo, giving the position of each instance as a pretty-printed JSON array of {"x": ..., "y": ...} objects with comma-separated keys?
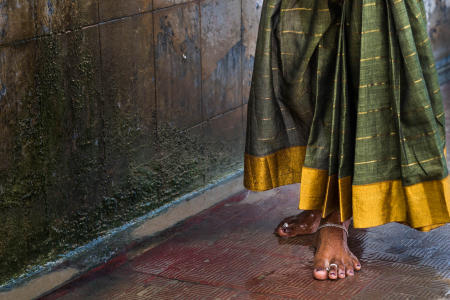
[{"x": 230, "y": 252}]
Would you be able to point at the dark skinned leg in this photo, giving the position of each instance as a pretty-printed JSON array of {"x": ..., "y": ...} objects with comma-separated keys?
[
  {"x": 306, "y": 222},
  {"x": 332, "y": 248}
]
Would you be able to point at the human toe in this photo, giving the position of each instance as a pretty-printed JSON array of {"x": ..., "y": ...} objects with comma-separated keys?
[
  {"x": 282, "y": 229},
  {"x": 349, "y": 270},
  {"x": 320, "y": 272},
  {"x": 341, "y": 271},
  {"x": 356, "y": 264},
  {"x": 333, "y": 272}
]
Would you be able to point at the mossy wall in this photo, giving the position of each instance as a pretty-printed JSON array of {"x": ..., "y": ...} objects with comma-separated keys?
[{"x": 109, "y": 111}]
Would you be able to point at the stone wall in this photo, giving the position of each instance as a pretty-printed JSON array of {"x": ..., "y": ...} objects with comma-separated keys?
[
  {"x": 438, "y": 14},
  {"x": 109, "y": 109}
]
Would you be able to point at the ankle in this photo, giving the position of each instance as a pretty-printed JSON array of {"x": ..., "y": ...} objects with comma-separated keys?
[
  {"x": 332, "y": 218},
  {"x": 332, "y": 230},
  {"x": 335, "y": 218}
]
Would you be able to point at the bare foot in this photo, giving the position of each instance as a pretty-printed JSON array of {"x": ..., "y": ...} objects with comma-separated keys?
[
  {"x": 305, "y": 222},
  {"x": 333, "y": 258}
]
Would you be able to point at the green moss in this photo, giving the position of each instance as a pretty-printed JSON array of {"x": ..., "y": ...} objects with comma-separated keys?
[
  {"x": 39, "y": 182},
  {"x": 79, "y": 171}
]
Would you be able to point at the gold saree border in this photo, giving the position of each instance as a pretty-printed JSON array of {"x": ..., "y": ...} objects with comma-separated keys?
[
  {"x": 283, "y": 167},
  {"x": 319, "y": 191},
  {"x": 423, "y": 206}
]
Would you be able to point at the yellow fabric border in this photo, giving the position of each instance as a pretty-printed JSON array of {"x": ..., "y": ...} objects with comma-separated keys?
[
  {"x": 423, "y": 206},
  {"x": 319, "y": 191},
  {"x": 280, "y": 168}
]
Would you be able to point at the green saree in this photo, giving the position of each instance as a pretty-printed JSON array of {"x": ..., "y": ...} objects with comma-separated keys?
[{"x": 345, "y": 99}]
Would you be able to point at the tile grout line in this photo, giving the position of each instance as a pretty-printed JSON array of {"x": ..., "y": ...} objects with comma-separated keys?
[{"x": 100, "y": 22}]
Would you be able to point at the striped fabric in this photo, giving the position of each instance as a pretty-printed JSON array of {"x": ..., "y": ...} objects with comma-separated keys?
[{"x": 345, "y": 99}]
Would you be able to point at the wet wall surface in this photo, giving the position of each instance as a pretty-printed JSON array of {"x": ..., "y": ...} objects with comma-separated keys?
[
  {"x": 439, "y": 30},
  {"x": 109, "y": 109}
]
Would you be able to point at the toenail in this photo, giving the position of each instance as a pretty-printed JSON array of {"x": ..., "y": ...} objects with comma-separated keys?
[{"x": 319, "y": 269}]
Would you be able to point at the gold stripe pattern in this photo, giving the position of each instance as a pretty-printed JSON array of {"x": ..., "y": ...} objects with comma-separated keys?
[
  {"x": 405, "y": 27},
  {"x": 371, "y": 58},
  {"x": 301, "y": 32},
  {"x": 417, "y": 110},
  {"x": 373, "y": 84},
  {"x": 422, "y": 161},
  {"x": 424, "y": 134},
  {"x": 374, "y": 161},
  {"x": 376, "y": 135},
  {"x": 411, "y": 54},
  {"x": 296, "y": 9},
  {"x": 374, "y": 110},
  {"x": 370, "y": 31},
  {"x": 423, "y": 42},
  {"x": 304, "y": 9}
]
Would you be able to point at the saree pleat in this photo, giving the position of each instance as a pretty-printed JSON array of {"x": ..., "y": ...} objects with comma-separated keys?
[{"x": 345, "y": 99}]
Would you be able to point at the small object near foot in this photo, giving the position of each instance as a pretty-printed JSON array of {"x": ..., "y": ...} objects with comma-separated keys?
[{"x": 306, "y": 222}]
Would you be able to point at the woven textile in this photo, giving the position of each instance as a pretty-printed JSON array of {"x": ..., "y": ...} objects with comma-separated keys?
[{"x": 345, "y": 99}]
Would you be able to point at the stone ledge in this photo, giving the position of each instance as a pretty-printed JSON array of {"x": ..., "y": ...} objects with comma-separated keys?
[{"x": 122, "y": 243}]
